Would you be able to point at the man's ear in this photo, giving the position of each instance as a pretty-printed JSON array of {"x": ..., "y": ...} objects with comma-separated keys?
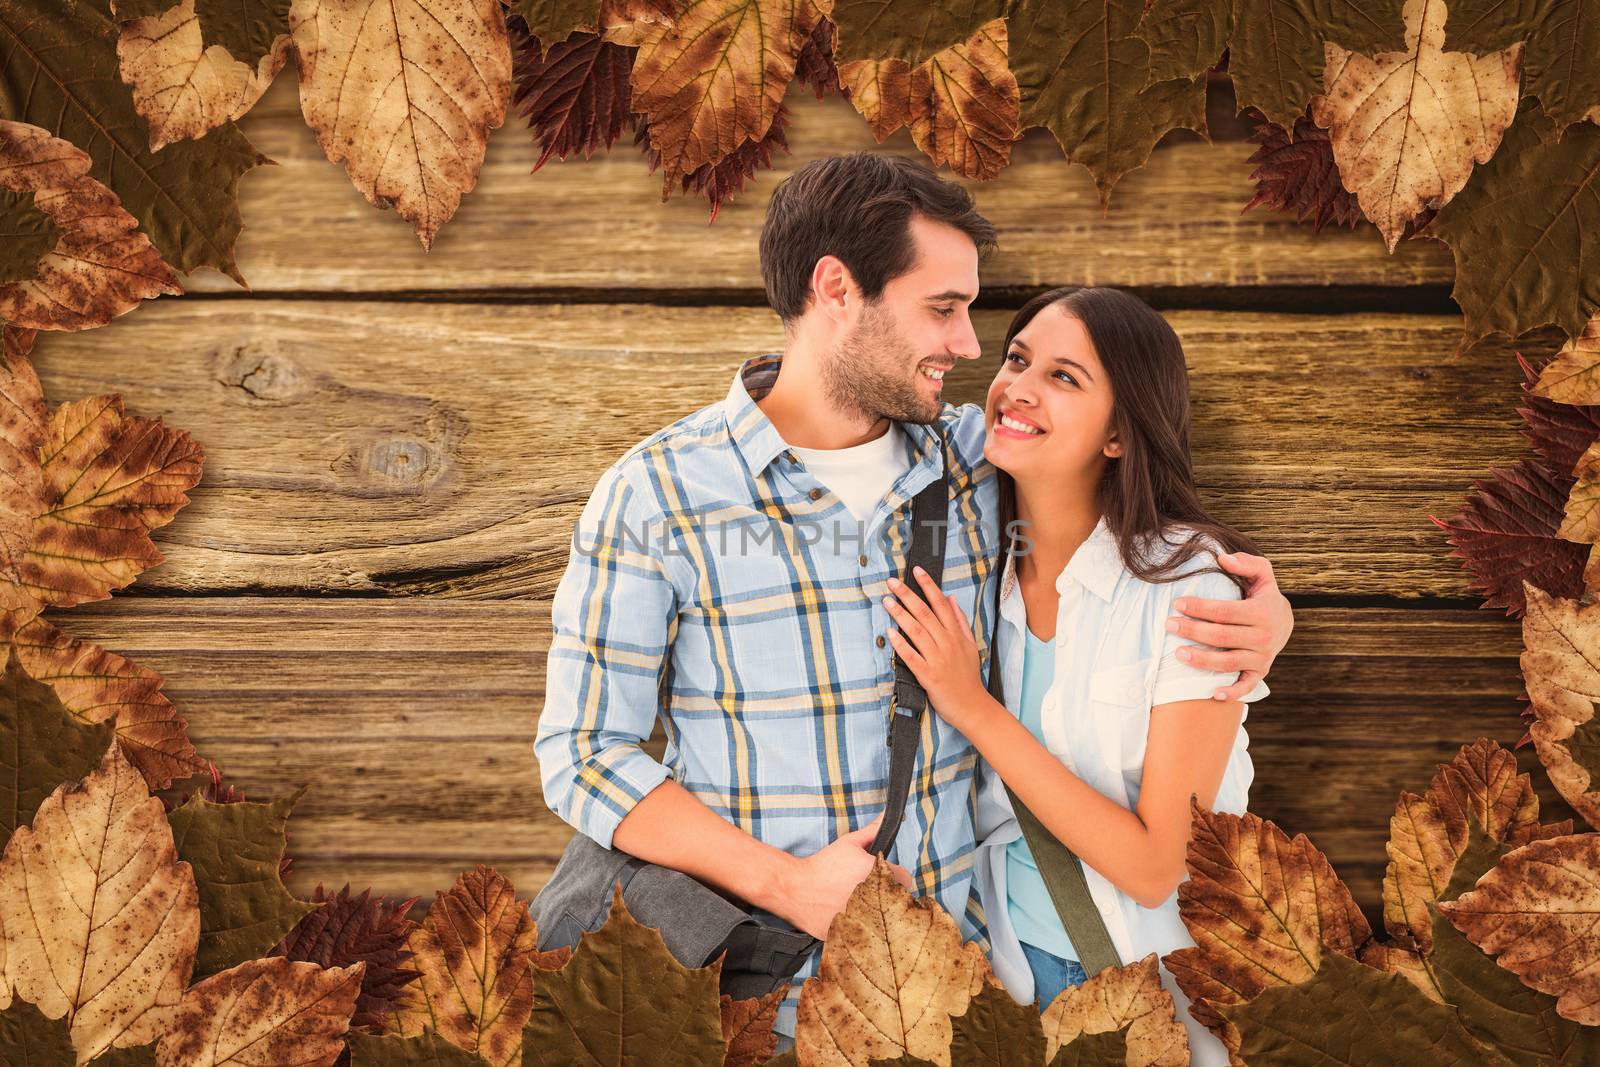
[{"x": 832, "y": 287}]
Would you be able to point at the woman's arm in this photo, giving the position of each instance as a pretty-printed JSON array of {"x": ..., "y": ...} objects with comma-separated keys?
[{"x": 1141, "y": 852}]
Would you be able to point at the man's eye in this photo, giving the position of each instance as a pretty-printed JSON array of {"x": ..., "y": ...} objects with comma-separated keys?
[{"x": 944, "y": 313}]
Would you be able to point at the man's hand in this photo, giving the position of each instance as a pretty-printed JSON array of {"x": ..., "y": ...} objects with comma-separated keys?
[
  {"x": 1247, "y": 634},
  {"x": 823, "y": 881}
]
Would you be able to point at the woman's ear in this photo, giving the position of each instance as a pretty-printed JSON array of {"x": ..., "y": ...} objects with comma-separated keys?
[{"x": 1113, "y": 447}]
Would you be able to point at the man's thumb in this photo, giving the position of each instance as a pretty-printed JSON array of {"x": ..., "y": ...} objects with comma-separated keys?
[{"x": 868, "y": 830}]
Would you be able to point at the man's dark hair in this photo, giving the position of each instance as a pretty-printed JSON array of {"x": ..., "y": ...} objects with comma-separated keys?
[{"x": 857, "y": 207}]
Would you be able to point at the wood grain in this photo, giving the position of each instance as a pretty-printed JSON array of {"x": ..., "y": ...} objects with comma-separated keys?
[
  {"x": 412, "y": 721},
  {"x": 600, "y": 223},
  {"x": 446, "y": 449}
]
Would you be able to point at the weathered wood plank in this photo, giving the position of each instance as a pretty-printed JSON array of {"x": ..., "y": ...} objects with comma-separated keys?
[
  {"x": 446, "y": 449},
  {"x": 413, "y": 722},
  {"x": 600, "y": 223}
]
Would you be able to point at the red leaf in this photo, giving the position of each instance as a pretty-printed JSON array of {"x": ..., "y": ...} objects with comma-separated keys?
[
  {"x": 1506, "y": 532},
  {"x": 1561, "y": 433},
  {"x": 576, "y": 97},
  {"x": 718, "y": 182},
  {"x": 1298, "y": 175},
  {"x": 814, "y": 66},
  {"x": 357, "y": 929}
]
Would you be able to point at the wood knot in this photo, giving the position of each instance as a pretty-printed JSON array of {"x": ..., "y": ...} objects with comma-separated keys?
[{"x": 264, "y": 375}]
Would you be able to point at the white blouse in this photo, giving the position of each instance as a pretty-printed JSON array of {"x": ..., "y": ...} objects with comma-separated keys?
[{"x": 1114, "y": 661}]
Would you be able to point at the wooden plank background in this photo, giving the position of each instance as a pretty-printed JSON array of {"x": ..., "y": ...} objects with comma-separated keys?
[{"x": 398, "y": 444}]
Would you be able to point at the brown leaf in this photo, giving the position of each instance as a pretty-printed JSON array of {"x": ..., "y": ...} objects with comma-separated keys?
[
  {"x": 747, "y": 1028},
  {"x": 474, "y": 953},
  {"x": 1536, "y": 912},
  {"x": 1560, "y": 432},
  {"x": 894, "y": 970},
  {"x": 348, "y": 930},
  {"x": 1561, "y": 668},
  {"x": 1582, "y": 519},
  {"x": 184, "y": 87},
  {"x": 1127, "y": 998},
  {"x": 715, "y": 80},
  {"x": 1405, "y": 963},
  {"x": 962, "y": 103},
  {"x": 1263, "y": 911},
  {"x": 815, "y": 66},
  {"x": 263, "y": 1013},
  {"x": 1573, "y": 376},
  {"x": 101, "y": 265},
  {"x": 576, "y": 97},
  {"x": 1406, "y": 127},
  {"x": 97, "y": 685},
  {"x": 100, "y": 916},
  {"x": 404, "y": 96},
  {"x": 1297, "y": 175}
]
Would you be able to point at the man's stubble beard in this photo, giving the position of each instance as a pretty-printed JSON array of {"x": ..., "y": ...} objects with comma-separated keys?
[{"x": 873, "y": 373}]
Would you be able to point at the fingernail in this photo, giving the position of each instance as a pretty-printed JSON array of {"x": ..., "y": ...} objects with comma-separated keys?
[
  {"x": 1183, "y": 653},
  {"x": 918, "y": 570},
  {"x": 1180, "y": 605},
  {"x": 1172, "y": 626},
  {"x": 1217, "y": 696}
]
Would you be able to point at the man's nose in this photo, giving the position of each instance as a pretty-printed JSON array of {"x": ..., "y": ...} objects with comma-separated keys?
[{"x": 965, "y": 344}]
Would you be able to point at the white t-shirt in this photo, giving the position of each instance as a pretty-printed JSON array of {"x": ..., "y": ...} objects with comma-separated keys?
[{"x": 860, "y": 475}]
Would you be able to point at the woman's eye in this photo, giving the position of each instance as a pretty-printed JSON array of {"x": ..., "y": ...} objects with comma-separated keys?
[
  {"x": 1013, "y": 356},
  {"x": 1067, "y": 376}
]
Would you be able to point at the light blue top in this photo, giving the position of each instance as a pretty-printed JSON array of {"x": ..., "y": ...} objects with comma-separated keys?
[{"x": 1033, "y": 914}]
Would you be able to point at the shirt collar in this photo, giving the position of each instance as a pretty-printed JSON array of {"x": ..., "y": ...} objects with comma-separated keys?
[
  {"x": 758, "y": 440},
  {"x": 1096, "y": 564}
]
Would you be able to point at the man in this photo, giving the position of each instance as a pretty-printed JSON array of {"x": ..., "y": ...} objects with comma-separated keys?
[{"x": 728, "y": 573}]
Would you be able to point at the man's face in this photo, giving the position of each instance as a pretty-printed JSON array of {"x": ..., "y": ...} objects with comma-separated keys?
[{"x": 890, "y": 361}]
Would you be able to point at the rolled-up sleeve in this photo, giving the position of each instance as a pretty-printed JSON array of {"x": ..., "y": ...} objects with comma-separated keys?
[
  {"x": 1177, "y": 680},
  {"x": 611, "y": 618}
]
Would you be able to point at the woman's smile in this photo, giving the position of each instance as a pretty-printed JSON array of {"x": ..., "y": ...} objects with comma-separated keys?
[{"x": 1009, "y": 424}]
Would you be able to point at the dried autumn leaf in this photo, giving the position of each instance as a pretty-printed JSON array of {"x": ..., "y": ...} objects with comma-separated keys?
[
  {"x": 1522, "y": 232},
  {"x": 89, "y": 486},
  {"x": 101, "y": 265},
  {"x": 1573, "y": 375},
  {"x": 346, "y": 930},
  {"x": 404, "y": 95},
  {"x": 42, "y": 745},
  {"x": 1263, "y": 911},
  {"x": 962, "y": 103},
  {"x": 100, "y": 916},
  {"x": 747, "y": 1028},
  {"x": 1109, "y": 1049},
  {"x": 1297, "y": 175},
  {"x": 718, "y": 182},
  {"x": 1186, "y": 37},
  {"x": 1535, "y": 912},
  {"x": 60, "y": 72},
  {"x": 184, "y": 83},
  {"x": 624, "y": 998},
  {"x": 1561, "y": 668},
  {"x": 234, "y": 851},
  {"x": 28, "y": 1036},
  {"x": 1082, "y": 73},
  {"x": 550, "y": 22},
  {"x": 1128, "y": 999},
  {"x": 424, "y": 1050},
  {"x": 1506, "y": 534},
  {"x": 909, "y": 30},
  {"x": 1406, "y": 964},
  {"x": 815, "y": 65},
  {"x": 1559, "y": 431},
  {"x": 1563, "y": 37},
  {"x": 97, "y": 685},
  {"x": 1582, "y": 520},
  {"x": 473, "y": 952},
  {"x": 263, "y": 1013},
  {"x": 716, "y": 79},
  {"x": 1406, "y": 127},
  {"x": 1499, "y": 1010},
  {"x": 576, "y": 96},
  {"x": 894, "y": 971},
  {"x": 30, "y": 235},
  {"x": 1478, "y": 793},
  {"x": 1348, "y": 1013},
  {"x": 997, "y": 1031}
]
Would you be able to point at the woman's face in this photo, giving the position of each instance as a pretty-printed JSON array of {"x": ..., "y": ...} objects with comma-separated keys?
[{"x": 1052, "y": 382}]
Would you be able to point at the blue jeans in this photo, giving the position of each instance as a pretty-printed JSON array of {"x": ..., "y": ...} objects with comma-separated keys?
[{"x": 1051, "y": 974}]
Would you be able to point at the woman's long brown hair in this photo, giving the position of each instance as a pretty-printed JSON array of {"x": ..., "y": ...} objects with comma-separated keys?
[{"x": 1151, "y": 485}]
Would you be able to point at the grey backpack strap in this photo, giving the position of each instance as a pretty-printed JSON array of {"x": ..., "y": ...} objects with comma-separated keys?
[
  {"x": 930, "y": 511},
  {"x": 1058, "y": 865}
]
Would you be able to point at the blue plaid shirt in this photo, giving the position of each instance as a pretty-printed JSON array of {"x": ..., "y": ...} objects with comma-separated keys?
[{"x": 713, "y": 581}]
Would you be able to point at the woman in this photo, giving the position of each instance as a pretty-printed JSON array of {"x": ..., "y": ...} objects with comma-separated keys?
[{"x": 1108, "y": 731}]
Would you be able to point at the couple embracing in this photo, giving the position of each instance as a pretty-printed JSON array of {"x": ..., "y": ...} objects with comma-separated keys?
[{"x": 738, "y": 575}]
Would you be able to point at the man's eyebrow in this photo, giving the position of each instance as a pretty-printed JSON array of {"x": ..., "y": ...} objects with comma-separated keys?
[
  {"x": 953, "y": 294},
  {"x": 1017, "y": 342}
]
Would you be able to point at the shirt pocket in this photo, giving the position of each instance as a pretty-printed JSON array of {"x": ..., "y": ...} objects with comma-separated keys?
[{"x": 1119, "y": 701}]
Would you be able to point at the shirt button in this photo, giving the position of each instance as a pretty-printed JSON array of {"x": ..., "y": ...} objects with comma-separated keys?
[
  {"x": 880, "y": 640},
  {"x": 863, "y": 561},
  {"x": 815, "y": 493}
]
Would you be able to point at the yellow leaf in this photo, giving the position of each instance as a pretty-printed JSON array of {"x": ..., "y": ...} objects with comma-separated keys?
[
  {"x": 715, "y": 80},
  {"x": 1561, "y": 669},
  {"x": 263, "y": 1013},
  {"x": 1129, "y": 997},
  {"x": 1582, "y": 523},
  {"x": 1406, "y": 127},
  {"x": 181, "y": 87},
  {"x": 894, "y": 970},
  {"x": 101, "y": 918},
  {"x": 404, "y": 94},
  {"x": 1573, "y": 375}
]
